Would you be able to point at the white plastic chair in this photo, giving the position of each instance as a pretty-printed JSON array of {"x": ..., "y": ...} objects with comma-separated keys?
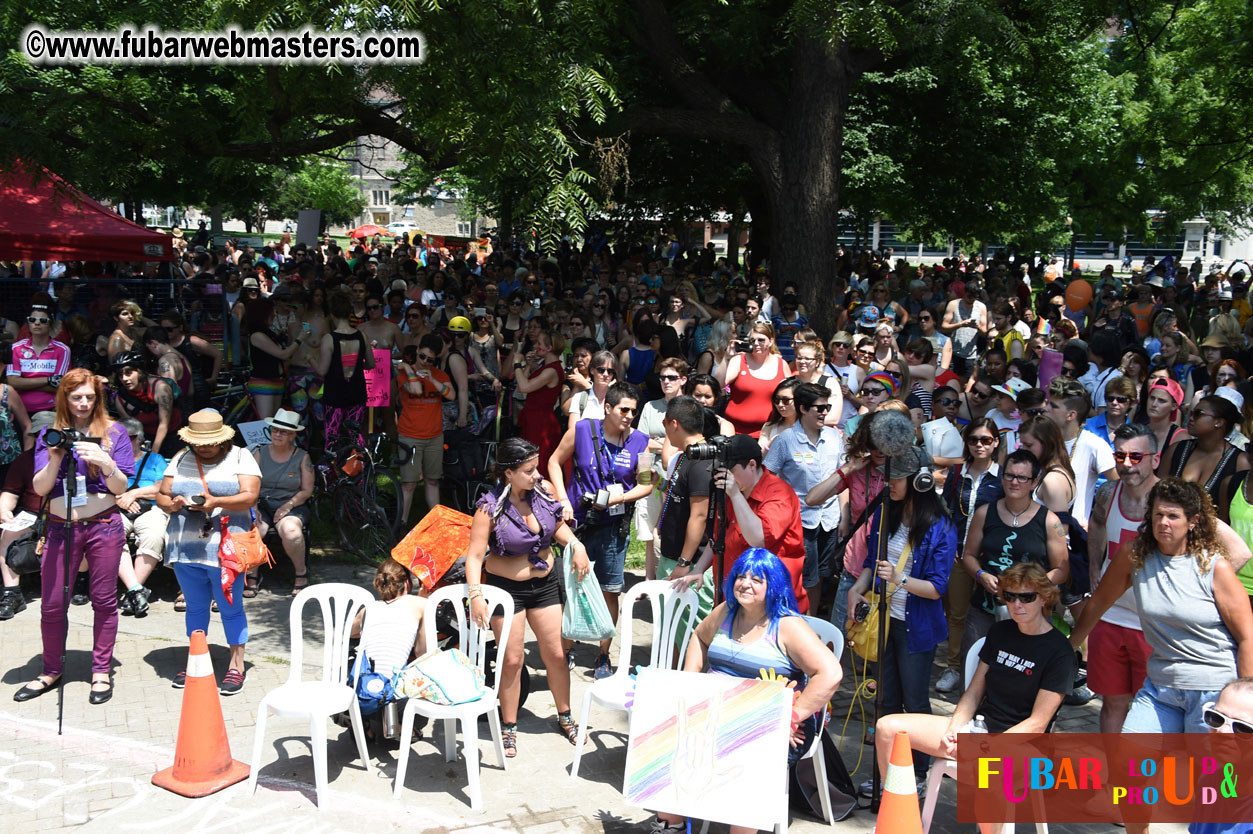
[
  {"x": 941, "y": 768},
  {"x": 473, "y": 641},
  {"x": 669, "y": 609},
  {"x": 319, "y": 699},
  {"x": 833, "y": 638}
]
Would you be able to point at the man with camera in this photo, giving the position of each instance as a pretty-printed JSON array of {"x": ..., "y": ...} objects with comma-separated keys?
[
  {"x": 603, "y": 489},
  {"x": 682, "y": 526},
  {"x": 762, "y": 511},
  {"x": 804, "y": 456}
]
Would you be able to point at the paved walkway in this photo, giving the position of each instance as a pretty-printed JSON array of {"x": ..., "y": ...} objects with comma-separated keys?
[{"x": 96, "y": 776}]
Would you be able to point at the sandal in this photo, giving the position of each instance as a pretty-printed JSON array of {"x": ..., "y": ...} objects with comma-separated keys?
[
  {"x": 509, "y": 739},
  {"x": 252, "y": 584},
  {"x": 567, "y": 727},
  {"x": 296, "y": 587},
  {"x": 180, "y": 604}
]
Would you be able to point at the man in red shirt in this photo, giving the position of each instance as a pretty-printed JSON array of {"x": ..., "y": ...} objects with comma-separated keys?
[{"x": 762, "y": 511}]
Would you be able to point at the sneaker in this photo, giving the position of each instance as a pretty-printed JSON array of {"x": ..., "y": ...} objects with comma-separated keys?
[
  {"x": 81, "y": 592},
  {"x": 180, "y": 680},
  {"x": 656, "y": 826},
  {"x": 603, "y": 668},
  {"x": 570, "y": 659},
  {"x": 125, "y": 605},
  {"x": 1078, "y": 696},
  {"x": 948, "y": 681},
  {"x": 232, "y": 683},
  {"x": 866, "y": 788},
  {"x": 11, "y": 602},
  {"x": 137, "y": 601}
]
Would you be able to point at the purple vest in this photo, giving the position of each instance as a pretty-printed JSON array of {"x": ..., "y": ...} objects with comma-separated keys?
[
  {"x": 510, "y": 536},
  {"x": 616, "y": 465}
]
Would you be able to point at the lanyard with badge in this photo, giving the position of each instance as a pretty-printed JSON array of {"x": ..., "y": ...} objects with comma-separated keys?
[{"x": 610, "y": 478}]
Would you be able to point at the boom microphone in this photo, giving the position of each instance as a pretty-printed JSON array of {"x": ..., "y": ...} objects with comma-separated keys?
[{"x": 891, "y": 433}]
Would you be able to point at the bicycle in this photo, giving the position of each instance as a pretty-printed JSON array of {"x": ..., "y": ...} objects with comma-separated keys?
[
  {"x": 231, "y": 398},
  {"x": 364, "y": 494}
]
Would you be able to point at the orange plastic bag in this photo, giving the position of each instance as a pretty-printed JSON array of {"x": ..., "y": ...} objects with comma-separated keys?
[{"x": 439, "y": 539}]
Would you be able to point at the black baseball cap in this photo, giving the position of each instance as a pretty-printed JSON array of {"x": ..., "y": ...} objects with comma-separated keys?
[{"x": 742, "y": 448}]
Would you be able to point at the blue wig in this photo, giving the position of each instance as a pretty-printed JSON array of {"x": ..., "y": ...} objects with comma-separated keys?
[{"x": 759, "y": 562}]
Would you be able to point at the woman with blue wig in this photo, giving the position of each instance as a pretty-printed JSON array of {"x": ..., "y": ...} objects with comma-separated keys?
[{"x": 758, "y": 630}]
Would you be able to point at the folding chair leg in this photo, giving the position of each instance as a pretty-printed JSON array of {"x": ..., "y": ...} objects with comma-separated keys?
[
  {"x": 317, "y": 740},
  {"x": 498, "y": 739},
  {"x": 358, "y": 732},
  {"x": 402, "y": 755},
  {"x": 935, "y": 778},
  {"x": 584, "y": 713},
  {"x": 258, "y": 745},
  {"x": 472, "y": 763},
  {"x": 824, "y": 794},
  {"x": 450, "y": 739}
]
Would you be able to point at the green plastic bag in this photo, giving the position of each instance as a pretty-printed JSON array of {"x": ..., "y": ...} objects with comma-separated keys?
[{"x": 586, "y": 617}]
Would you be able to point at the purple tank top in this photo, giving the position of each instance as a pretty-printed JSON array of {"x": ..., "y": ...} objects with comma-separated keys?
[
  {"x": 615, "y": 465},
  {"x": 510, "y": 536}
]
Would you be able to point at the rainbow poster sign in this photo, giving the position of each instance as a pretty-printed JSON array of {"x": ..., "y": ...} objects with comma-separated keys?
[{"x": 709, "y": 747}]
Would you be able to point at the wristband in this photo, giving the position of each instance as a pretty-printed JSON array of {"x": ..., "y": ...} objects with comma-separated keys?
[{"x": 977, "y": 574}]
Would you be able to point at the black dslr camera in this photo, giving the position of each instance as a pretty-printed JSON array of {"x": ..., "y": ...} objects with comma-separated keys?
[
  {"x": 713, "y": 448},
  {"x": 66, "y": 438}
]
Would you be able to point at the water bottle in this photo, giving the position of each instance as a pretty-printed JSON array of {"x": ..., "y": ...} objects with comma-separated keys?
[
  {"x": 978, "y": 725},
  {"x": 391, "y": 720}
]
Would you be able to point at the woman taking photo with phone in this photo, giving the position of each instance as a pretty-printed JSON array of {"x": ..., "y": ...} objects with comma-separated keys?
[
  {"x": 103, "y": 462},
  {"x": 211, "y": 482}
]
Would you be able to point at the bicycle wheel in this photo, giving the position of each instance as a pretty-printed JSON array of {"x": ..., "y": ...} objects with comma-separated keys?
[
  {"x": 384, "y": 488},
  {"x": 363, "y": 526}
]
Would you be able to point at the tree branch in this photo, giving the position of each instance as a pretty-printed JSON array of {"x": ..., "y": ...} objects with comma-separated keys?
[
  {"x": 733, "y": 128},
  {"x": 656, "y": 36}
]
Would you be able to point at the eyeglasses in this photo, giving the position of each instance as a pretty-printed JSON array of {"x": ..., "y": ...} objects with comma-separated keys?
[
  {"x": 1199, "y": 414},
  {"x": 598, "y": 306},
  {"x": 840, "y": 345},
  {"x": 625, "y": 410},
  {"x": 515, "y": 303},
  {"x": 1117, "y": 400},
  {"x": 865, "y": 352},
  {"x": 924, "y": 318},
  {"x": 374, "y": 306},
  {"x": 426, "y": 357},
  {"x": 947, "y": 402},
  {"x": 413, "y": 315},
  {"x": 1034, "y": 412},
  {"x": 1134, "y": 457},
  {"x": 670, "y": 378},
  {"x": 607, "y": 370},
  {"x": 807, "y": 359},
  {"x": 1069, "y": 371},
  {"x": 37, "y": 320},
  {"x": 982, "y": 440},
  {"x": 1016, "y": 479},
  {"x": 783, "y": 400},
  {"x": 821, "y": 409},
  {"x": 1217, "y": 720},
  {"x": 874, "y": 391},
  {"x": 1018, "y": 596},
  {"x": 981, "y": 394}
]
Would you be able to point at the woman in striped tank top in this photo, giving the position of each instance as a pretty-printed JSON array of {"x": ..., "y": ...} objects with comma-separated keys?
[{"x": 757, "y": 629}]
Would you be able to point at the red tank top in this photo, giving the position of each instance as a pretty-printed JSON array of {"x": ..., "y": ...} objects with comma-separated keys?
[{"x": 749, "y": 405}]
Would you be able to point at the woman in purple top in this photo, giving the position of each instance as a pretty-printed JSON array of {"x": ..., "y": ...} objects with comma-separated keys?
[
  {"x": 104, "y": 468},
  {"x": 514, "y": 528}
]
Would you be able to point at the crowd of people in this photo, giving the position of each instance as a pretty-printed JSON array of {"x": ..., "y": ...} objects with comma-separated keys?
[{"x": 1074, "y": 447}]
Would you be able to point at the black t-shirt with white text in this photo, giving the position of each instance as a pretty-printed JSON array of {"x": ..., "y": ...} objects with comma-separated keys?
[
  {"x": 692, "y": 478},
  {"x": 1019, "y": 666}
]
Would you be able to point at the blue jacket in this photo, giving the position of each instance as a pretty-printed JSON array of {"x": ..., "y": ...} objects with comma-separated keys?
[{"x": 925, "y": 624}]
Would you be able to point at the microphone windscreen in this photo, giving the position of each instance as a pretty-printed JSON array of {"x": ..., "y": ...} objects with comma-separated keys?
[{"x": 891, "y": 433}]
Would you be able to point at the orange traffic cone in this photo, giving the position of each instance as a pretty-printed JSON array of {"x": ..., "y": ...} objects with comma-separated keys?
[
  {"x": 202, "y": 757},
  {"x": 898, "y": 807}
]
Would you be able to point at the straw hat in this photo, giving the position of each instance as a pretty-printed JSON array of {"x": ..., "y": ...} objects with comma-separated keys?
[{"x": 205, "y": 428}]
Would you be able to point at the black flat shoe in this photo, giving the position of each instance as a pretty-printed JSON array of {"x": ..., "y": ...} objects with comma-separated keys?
[
  {"x": 29, "y": 692},
  {"x": 101, "y": 696}
]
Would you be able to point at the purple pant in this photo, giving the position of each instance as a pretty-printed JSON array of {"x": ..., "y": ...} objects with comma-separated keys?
[{"x": 101, "y": 542}]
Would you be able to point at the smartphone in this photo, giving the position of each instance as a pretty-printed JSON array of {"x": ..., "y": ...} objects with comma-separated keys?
[{"x": 198, "y": 500}]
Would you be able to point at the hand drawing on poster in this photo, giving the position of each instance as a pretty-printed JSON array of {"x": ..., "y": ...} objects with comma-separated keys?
[
  {"x": 709, "y": 747},
  {"x": 378, "y": 380}
]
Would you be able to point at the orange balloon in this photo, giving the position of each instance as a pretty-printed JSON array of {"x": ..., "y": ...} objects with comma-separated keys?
[{"x": 1078, "y": 295}]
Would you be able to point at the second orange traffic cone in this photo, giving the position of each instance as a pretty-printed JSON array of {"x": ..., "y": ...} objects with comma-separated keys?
[
  {"x": 898, "y": 807},
  {"x": 202, "y": 757}
]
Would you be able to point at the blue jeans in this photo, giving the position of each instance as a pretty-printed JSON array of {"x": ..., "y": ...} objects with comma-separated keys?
[
  {"x": 839, "y": 610},
  {"x": 201, "y": 584},
  {"x": 906, "y": 679},
  {"x": 607, "y": 547},
  {"x": 1164, "y": 709},
  {"x": 819, "y": 555}
]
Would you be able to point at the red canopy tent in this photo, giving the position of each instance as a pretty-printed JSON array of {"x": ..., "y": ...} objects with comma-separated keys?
[{"x": 44, "y": 218}]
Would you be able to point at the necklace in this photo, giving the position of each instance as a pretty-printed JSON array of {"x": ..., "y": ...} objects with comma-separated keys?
[{"x": 1018, "y": 514}]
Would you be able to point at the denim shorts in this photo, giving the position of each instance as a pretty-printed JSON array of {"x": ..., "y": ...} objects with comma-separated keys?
[
  {"x": 607, "y": 547},
  {"x": 1168, "y": 710}
]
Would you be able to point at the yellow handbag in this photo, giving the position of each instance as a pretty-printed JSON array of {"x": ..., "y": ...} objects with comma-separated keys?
[{"x": 863, "y": 636}]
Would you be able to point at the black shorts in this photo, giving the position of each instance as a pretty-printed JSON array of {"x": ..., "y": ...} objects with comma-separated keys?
[
  {"x": 962, "y": 366},
  {"x": 539, "y": 592},
  {"x": 267, "y": 508}
]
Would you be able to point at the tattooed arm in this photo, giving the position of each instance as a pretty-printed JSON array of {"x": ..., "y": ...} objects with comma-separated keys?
[{"x": 1058, "y": 549}]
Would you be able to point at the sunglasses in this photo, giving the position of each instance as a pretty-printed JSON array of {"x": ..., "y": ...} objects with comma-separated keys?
[
  {"x": 947, "y": 402},
  {"x": 1018, "y": 596},
  {"x": 840, "y": 345},
  {"x": 1034, "y": 412},
  {"x": 981, "y": 440},
  {"x": 603, "y": 370},
  {"x": 1016, "y": 479},
  {"x": 413, "y": 316},
  {"x": 1118, "y": 400},
  {"x": 374, "y": 306},
  {"x": 426, "y": 357},
  {"x": 1069, "y": 371},
  {"x": 1134, "y": 457},
  {"x": 924, "y": 318},
  {"x": 821, "y": 409},
  {"x": 981, "y": 394},
  {"x": 874, "y": 391},
  {"x": 861, "y": 352},
  {"x": 783, "y": 400},
  {"x": 1199, "y": 414},
  {"x": 37, "y": 320},
  {"x": 1217, "y": 720},
  {"x": 670, "y": 378}
]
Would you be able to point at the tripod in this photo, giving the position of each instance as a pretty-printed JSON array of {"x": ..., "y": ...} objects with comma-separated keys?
[
  {"x": 883, "y": 632},
  {"x": 71, "y": 569}
]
